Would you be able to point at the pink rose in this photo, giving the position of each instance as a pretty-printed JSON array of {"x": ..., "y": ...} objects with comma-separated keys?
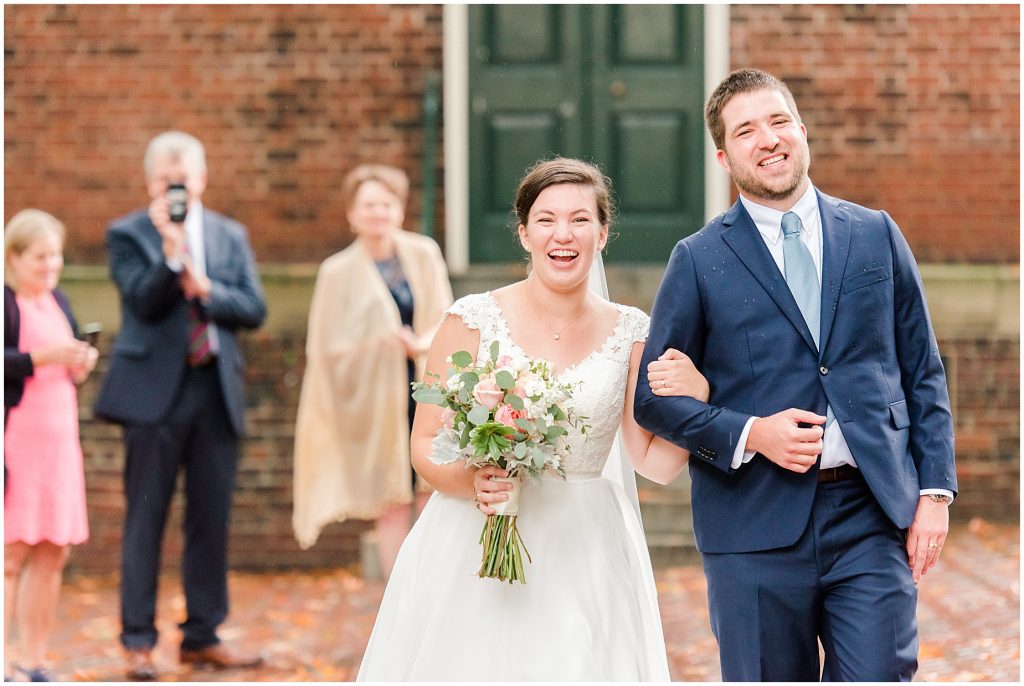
[
  {"x": 448, "y": 418},
  {"x": 507, "y": 414},
  {"x": 504, "y": 361},
  {"x": 487, "y": 393}
]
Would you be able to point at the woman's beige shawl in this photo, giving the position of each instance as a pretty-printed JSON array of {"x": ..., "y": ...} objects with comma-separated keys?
[{"x": 352, "y": 431}]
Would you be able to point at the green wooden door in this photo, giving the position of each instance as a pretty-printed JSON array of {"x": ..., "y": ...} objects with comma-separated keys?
[{"x": 620, "y": 85}]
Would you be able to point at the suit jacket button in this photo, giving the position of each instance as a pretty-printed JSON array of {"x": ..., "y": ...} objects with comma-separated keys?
[{"x": 823, "y": 370}]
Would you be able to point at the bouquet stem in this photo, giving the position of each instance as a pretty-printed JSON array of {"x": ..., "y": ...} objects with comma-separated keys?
[
  {"x": 503, "y": 549},
  {"x": 502, "y": 543}
]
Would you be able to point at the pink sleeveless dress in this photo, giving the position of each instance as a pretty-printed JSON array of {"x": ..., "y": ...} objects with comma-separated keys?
[{"x": 45, "y": 498}]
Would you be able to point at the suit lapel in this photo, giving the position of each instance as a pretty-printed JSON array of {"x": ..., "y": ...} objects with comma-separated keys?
[
  {"x": 150, "y": 238},
  {"x": 835, "y": 235},
  {"x": 212, "y": 242},
  {"x": 743, "y": 238}
]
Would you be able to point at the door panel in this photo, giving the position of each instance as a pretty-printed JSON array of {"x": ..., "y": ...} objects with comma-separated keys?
[
  {"x": 619, "y": 85},
  {"x": 515, "y": 141},
  {"x": 522, "y": 34},
  {"x": 646, "y": 33},
  {"x": 646, "y": 164},
  {"x": 526, "y": 81}
]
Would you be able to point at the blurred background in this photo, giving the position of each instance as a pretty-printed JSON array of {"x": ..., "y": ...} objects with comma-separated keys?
[{"x": 910, "y": 108}]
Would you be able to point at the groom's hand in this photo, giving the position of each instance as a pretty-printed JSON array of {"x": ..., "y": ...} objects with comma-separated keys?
[
  {"x": 926, "y": 536},
  {"x": 782, "y": 440}
]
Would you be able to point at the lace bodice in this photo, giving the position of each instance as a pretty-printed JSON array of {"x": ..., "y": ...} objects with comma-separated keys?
[{"x": 601, "y": 375}]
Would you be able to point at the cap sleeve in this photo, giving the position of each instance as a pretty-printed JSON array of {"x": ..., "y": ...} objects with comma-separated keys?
[
  {"x": 472, "y": 309},
  {"x": 636, "y": 323}
]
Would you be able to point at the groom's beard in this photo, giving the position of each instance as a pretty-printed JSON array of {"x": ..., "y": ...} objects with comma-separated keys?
[{"x": 753, "y": 188}]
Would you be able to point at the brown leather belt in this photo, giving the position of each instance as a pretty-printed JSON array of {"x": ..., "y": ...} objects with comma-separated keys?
[{"x": 840, "y": 473}]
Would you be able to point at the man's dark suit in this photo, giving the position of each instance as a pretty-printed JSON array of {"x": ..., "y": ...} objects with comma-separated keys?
[
  {"x": 724, "y": 302},
  {"x": 175, "y": 415}
]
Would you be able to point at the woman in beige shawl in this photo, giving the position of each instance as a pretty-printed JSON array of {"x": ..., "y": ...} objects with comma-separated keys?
[{"x": 375, "y": 308}]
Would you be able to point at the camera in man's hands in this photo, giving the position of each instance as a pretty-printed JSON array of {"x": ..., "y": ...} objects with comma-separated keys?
[{"x": 177, "y": 202}]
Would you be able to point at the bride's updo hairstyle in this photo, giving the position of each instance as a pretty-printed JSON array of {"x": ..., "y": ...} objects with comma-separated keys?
[{"x": 564, "y": 170}]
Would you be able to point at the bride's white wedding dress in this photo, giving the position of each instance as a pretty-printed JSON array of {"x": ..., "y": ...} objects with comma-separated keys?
[{"x": 588, "y": 610}]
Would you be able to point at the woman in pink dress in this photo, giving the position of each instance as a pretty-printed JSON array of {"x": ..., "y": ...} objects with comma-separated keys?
[{"x": 44, "y": 485}]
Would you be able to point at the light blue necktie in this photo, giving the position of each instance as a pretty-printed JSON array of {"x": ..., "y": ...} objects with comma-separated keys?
[{"x": 802, "y": 277}]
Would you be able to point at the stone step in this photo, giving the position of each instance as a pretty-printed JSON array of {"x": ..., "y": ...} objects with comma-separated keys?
[{"x": 672, "y": 549}]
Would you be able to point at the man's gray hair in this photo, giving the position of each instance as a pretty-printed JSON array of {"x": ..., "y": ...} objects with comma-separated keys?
[{"x": 177, "y": 145}]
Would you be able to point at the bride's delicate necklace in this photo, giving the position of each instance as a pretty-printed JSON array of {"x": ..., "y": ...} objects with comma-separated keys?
[{"x": 557, "y": 334}]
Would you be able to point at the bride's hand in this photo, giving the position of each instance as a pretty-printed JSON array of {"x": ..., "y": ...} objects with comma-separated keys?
[
  {"x": 488, "y": 491},
  {"x": 674, "y": 374}
]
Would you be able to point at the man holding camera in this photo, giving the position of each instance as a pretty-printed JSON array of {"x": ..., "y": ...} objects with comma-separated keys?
[{"x": 187, "y": 281}]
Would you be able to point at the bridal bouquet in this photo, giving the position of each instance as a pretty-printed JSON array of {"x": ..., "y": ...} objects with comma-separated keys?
[{"x": 504, "y": 412}]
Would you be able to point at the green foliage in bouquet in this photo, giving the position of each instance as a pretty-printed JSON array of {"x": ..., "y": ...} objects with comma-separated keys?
[{"x": 506, "y": 412}]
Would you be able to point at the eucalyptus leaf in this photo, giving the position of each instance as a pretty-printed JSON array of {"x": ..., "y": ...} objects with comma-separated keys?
[
  {"x": 494, "y": 351},
  {"x": 554, "y": 432},
  {"x": 520, "y": 450},
  {"x": 463, "y": 395},
  {"x": 470, "y": 379},
  {"x": 556, "y": 412},
  {"x": 505, "y": 380},
  {"x": 462, "y": 359},
  {"x": 524, "y": 424},
  {"x": 515, "y": 401},
  {"x": 430, "y": 396},
  {"x": 542, "y": 426},
  {"x": 538, "y": 458},
  {"x": 478, "y": 415}
]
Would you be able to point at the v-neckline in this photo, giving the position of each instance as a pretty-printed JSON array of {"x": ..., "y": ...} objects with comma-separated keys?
[{"x": 507, "y": 332}]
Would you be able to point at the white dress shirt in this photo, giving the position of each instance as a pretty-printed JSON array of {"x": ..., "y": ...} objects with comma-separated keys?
[
  {"x": 194, "y": 239},
  {"x": 835, "y": 451}
]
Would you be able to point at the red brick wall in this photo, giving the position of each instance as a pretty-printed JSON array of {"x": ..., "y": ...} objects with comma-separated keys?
[
  {"x": 286, "y": 98},
  {"x": 984, "y": 387},
  {"x": 914, "y": 108},
  {"x": 910, "y": 108}
]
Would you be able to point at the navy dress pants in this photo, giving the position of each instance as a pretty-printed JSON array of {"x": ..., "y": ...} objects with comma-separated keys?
[
  {"x": 196, "y": 437},
  {"x": 845, "y": 582}
]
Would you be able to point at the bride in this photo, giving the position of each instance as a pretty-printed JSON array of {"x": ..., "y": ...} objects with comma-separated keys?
[{"x": 588, "y": 611}]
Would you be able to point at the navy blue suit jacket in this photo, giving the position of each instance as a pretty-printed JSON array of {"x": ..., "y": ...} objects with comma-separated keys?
[
  {"x": 724, "y": 302},
  {"x": 149, "y": 358}
]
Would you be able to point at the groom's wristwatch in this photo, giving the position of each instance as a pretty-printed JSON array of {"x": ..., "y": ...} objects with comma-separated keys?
[{"x": 940, "y": 498}]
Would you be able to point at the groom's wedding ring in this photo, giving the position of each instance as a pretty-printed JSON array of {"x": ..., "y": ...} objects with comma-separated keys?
[{"x": 933, "y": 545}]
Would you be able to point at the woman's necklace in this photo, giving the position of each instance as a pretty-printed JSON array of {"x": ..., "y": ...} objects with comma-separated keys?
[{"x": 557, "y": 334}]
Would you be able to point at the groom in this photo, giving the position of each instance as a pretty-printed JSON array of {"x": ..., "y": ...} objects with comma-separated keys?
[{"x": 822, "y": 466}]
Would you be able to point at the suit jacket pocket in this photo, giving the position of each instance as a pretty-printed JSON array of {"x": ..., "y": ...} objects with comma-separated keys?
[
  {"x": 899, "y": 414},
  {"x": 135, "y": 350},
  {"x": 871, "y": 276}
]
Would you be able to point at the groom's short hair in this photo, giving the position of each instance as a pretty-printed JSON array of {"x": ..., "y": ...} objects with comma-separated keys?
[{"x": 740, "y": 81}]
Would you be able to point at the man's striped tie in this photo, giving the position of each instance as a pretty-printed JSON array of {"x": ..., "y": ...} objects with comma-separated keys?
[
  {"x": 199, "y": 352},
  {"x": 198, "y": 336}
]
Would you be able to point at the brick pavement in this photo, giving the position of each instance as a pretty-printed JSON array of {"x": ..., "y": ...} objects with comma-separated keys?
[{"x": 313, "y": 627}]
